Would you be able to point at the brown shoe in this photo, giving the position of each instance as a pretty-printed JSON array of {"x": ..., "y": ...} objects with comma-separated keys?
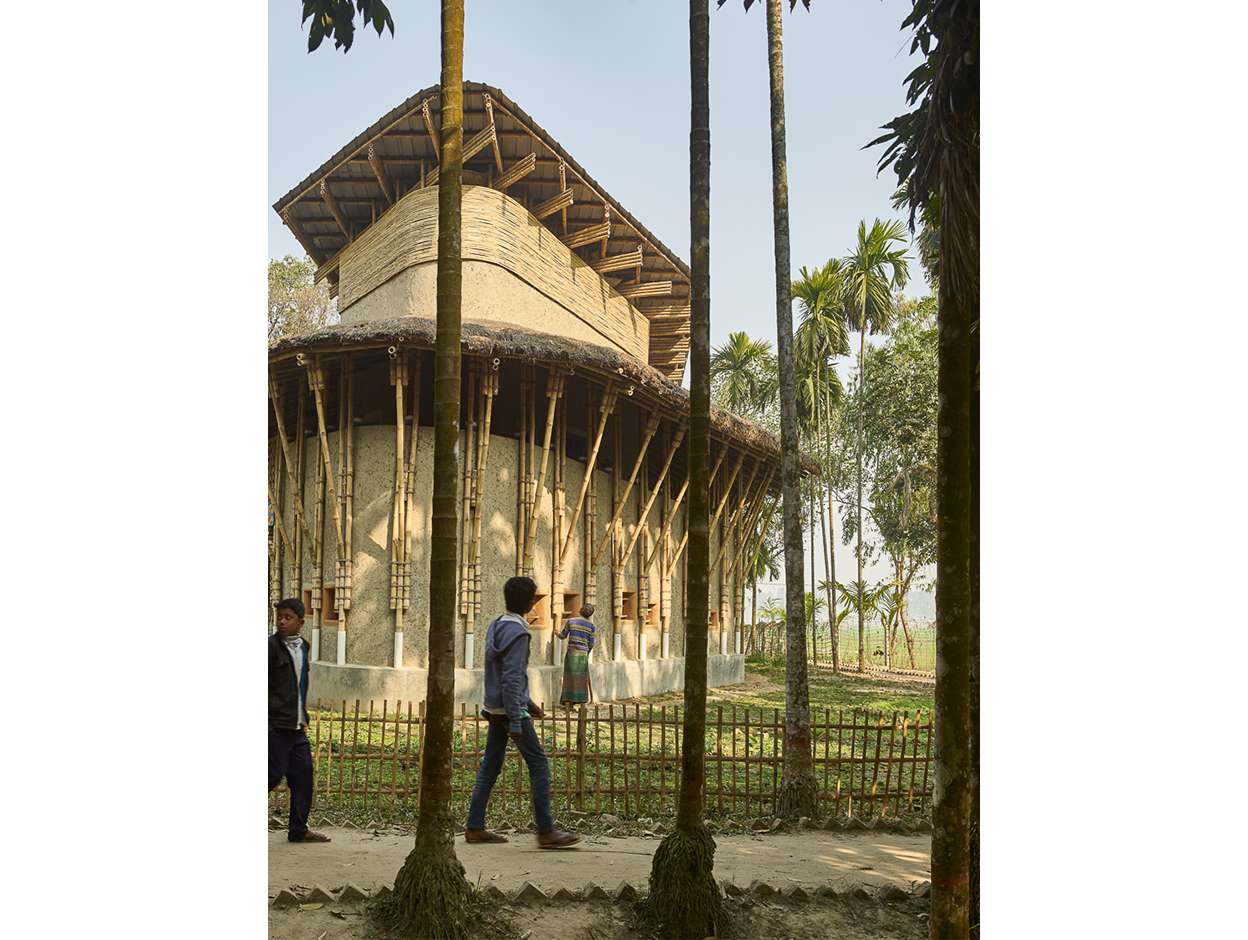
[
  {"x": 557, "y": 839},
  {"x": 483, "y": 835},
  {"x": 311, "y": 836}
]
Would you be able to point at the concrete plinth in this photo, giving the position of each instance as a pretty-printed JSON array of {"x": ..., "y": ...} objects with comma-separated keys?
[{"x": 332, "y": 684}]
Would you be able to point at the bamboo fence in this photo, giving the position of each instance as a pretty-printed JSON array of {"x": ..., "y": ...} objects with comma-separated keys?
[{"x": 625, "y": 760}]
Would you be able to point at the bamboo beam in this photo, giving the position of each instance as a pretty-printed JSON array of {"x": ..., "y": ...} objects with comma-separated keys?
[
  {"x": 658, "y": 488},
  {"x": 430, "y": 130},
  {"x": 652, "y": 425},
  {"x": 588, "y": 235},
  {"x": 489, "y": 112},
  {"x": 648, "y": 289},
  {"x": 516, "y": 172},
  {"x": 553, "y": 204},
  {"x": 281, "y": 437},
  {"x": 605, "y": 408},
  {"x": 621, "y": 262},
  {"x": 331, "y": 202},
  {"x": 379, "y": 170},
  {"x": 554, "y": 392}
]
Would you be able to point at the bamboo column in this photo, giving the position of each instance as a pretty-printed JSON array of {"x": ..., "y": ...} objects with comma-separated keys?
[
  {"x": 557, "y": 517},
  {"x": 522, "y": 465},
  {"x": 409, "y": 509},
  {"x": 467, "y": 485},
  {"x": 316, "y": 382},
  {"x": 342, "y": 595},
  {"x": 318, "y": 561},
  {"x": 611, "y": 534},
  {"x": 398, "y": 564},
  {"x": 589, "y": 572},
  {"x": 556, "y": 377},
  {"x": 297, "y": 539}
]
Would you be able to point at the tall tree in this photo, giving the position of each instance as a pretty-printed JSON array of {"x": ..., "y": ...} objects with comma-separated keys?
[
  {"x": 431, "y": 893},
  {"x": 873, "y": 270},
  {"x": 797, "y": 795},
  {"x": 296, "y": 303},
  {"x": 742, "y": 373},
  {"x": 684, "y": 899},
  {"x": 934, "y": 149}
]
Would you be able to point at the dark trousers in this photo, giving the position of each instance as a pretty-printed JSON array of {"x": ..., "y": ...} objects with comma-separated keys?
[
  {"x": 291, "y": 757},
  {"x": 492, "y": 764}
]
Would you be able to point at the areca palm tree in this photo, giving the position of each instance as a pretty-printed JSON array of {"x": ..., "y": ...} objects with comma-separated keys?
[
  {"x": 684, "y": 900},
  {"x": 872, "y": 271},
  {"x": 935, "y": 150},
  {"x": 741, "y": 367},
  {"x": 431, "y": 893},
  {"x": 797, "y": 795}
]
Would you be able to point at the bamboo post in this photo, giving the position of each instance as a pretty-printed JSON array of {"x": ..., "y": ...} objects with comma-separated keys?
[
  {"x": 605, "y": 408},
  {"x": 489, "y": 388},
  {"x": 398, "y": 378},
  {"x": 279, "y": 420},
  {"x": 316, "y": 381},
  {"x": 645, "y": 512},
  {"x": 413, "y": 453}
]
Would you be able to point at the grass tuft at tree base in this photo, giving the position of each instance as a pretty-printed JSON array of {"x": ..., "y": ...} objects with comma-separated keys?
[{"x": 684, "y": 900}]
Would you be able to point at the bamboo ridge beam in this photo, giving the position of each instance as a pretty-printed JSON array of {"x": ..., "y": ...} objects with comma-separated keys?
[
  {"x": 516, "y": 172},
  {"x": 379, "y": 170},
  {"x": 552, "y": 205}
]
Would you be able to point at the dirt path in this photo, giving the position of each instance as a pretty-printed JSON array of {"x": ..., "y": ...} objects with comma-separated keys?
[{"x": 808, "y": 858}]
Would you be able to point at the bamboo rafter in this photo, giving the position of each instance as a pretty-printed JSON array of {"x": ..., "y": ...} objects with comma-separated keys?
[
  {"x": 622, "y": 262},
  {"x": 379, "y": 171},
  {"x": 590, "y": 234},
  {"x": 304, "y": 239},
  {"x": 652, "y": 425},
  {"x": 489, "y": 116},
  {"x": 331, "y": 202},
  {"x": 479, "y": 142},
  {"x": 430, "y": 130}
]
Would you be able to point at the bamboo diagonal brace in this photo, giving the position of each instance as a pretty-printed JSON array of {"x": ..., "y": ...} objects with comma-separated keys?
[
  {"x": 652, "y": 425},
  {"x": 747, "y": 494},
  {"x": 609, "y": 397},
  {"x": 300, "y": 516},
  {"x": 658, "y": 488}
]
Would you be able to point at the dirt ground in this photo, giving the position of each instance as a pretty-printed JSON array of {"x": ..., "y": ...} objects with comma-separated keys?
[
  {"x": 810, "y": 859},
  {"x": 371, "y": 859},
  {"x": 607, "y": 920}
]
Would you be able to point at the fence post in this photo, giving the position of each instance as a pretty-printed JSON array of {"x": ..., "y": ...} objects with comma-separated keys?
[{"x": 580, "y": 759}]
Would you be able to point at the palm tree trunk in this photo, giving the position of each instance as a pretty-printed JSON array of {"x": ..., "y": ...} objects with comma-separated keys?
[
  {"x": 430, "y": 891},
  {"x": 684, "y": 899},
  {"x": 862, "y": 379},
  {"x": 753, "y": 609},
  {"x": 829, "y": 588},
  {"x": 814, "y": 614},
  {"x": 797, "y": 795},
  {"x": 956, "y": 535}
]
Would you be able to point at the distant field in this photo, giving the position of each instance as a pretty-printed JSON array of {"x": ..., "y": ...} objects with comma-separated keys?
[{"x": 923, "y": 636}]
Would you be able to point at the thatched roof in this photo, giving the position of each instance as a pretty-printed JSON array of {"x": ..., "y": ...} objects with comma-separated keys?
[
  {"x": 404, "y": 150},
  {"x": 488, "y": 338}
]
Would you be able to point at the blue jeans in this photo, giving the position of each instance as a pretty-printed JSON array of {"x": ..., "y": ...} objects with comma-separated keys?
[{"x": 492, "y": 764}]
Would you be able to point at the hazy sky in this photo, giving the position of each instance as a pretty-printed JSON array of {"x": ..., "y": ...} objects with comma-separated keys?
[{"x": 610, "y": 81}]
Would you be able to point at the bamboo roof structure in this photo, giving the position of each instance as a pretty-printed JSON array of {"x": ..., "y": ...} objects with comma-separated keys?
[
  {"x": 489, "y": 339},
  {"x": 505, "y": 149}
]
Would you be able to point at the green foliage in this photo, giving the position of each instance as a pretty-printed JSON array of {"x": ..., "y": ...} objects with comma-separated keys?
[
  {"x": 296, "y": 304},
  {"x": 744, "y": 379},
  {"x": 873, "y": 270},
  {"x": 336, "y": 19},
  {"x": 750, "y": 3}
]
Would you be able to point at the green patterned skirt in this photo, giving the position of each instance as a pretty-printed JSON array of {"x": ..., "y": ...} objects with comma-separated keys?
[{"x": 575, "y": 678}]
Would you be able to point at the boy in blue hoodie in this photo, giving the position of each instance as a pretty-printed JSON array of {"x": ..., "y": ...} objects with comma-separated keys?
[{"x": 510, "y": 713}]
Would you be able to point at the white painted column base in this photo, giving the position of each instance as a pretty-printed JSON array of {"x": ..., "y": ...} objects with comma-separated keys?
[
  {"x": 470, "y": 649},
  {"x": 398, "y": 649},
  {"x": 617, "y": 646},
  {"x": 737, "y": 642},
  {"x": 316, "y": 644},
  {"x": 723, "y": 642},
  {"x": 667, "y": 645},
  {"x": 556, "y": 648},
  {"x": 641, "y": 646},
  {"x": 342, "y": 647}
]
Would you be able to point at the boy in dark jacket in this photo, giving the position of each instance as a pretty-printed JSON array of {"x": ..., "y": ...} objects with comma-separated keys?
[
  {"x": 510, "y": 713},
  {"x": 289, "y": 753}
]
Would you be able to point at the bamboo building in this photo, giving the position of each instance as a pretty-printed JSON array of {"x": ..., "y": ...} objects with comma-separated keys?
[{"x": 576, "y": 325}]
